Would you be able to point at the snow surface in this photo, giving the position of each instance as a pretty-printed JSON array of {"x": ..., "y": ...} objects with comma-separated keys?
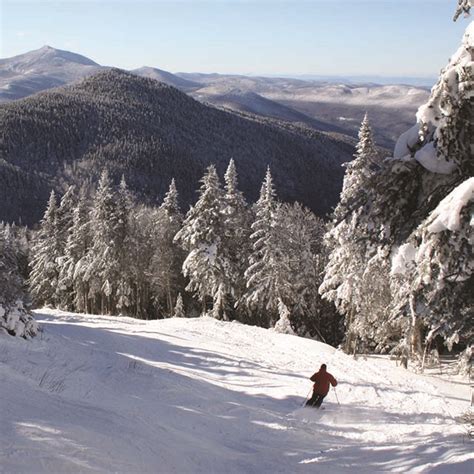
[
  {"x": 403, "y": 259},
  {"x": 428, "y": 157},
  {"x": 105, "y": 394},
  {"x": 447, "y": 216}
]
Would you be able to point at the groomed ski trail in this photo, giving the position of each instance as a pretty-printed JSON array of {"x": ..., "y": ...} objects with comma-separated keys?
[{"x": 113, "y": 394}]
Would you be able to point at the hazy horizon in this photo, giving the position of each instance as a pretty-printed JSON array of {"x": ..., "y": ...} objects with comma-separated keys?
[
  {"x": 386, "y": 38},
  {"x": 421, "y": 81}
]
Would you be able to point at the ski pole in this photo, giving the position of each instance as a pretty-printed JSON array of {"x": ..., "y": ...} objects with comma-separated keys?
[
  {"x": 306, "y": 399},
  {"x": 337, "y": 398}
]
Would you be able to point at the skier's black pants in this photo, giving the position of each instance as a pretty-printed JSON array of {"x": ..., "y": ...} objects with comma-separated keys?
[{"x": 315, "y": 400}]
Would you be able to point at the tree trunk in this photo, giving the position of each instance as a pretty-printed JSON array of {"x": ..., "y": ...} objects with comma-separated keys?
[
  {"x": 415, "y": 331},
  {"x": 425, "y": 352},
  {"x": 354, "y": 351},
  {"x": 170, "y": 302},
  {"x": 350, "y": 336}
]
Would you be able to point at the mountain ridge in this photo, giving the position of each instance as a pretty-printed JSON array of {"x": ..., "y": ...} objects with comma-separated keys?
[
  {"x": 166, "y": 77},
  {"x": 316, "y": 104}
]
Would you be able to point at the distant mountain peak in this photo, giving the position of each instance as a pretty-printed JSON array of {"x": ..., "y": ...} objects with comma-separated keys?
[
  {"x": 46, "y": 56},
  {"x": 40, "y": 69},
  {"x": 167, "y": 77},
  {"x": 67, "y": 55}
]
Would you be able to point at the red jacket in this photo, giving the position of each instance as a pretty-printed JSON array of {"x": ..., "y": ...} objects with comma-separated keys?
[{"x": 321, "y": 380}]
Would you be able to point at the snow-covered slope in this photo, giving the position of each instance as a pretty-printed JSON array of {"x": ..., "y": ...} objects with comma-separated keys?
[
  {"x": 105, "y": 394},
  {"x": 44, "y": 68}
]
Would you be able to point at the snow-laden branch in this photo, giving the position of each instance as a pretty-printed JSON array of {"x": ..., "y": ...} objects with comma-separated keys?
[{"x": 464, "y": 7}]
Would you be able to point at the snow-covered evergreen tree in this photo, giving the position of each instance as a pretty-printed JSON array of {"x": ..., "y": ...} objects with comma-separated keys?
[
  {"x": 439, "y": 288},
  {"x": 235, "y": 242},
  {"x": 140, "y": 257},
  {"x": 64, "y": 215},
  {"x": 301, "y": 234},
  {"x": 179, "y": 307},
  {"x": 15, "y": 318},
  {"x": 431, "y": 164},
  {"x": 64, "y": 220},
  {"x": 123, "y": 242},
  {"x": 75, "y": 260},
  {"x": 168, "y": 256},
  {"x": 351, "y": 242},
  {"x": 19, "y": 239},
  {"x": 46, "y": 253},
  {"x": 268, "y": 271},
  {"x": 201, "y": 238},
  {"x": 359, "y": 171},
  {"x": 434, "y": 271},
  {"x": 442, "y": 138},
  {"x": 104, "y": 266},
  {"x": 171, "y": 201},
  {"x": 283, "y": 324}
]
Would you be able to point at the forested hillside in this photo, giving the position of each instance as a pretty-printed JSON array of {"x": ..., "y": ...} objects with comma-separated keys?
[{"x": 152, "y": 133}]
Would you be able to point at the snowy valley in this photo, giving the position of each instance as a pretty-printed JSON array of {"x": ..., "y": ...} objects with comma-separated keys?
[{"x": 108, "y": 394}]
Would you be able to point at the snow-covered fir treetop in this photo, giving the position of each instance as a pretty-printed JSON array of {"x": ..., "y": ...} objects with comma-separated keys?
[
  {"x": 230, "y": 178},
  {"x": 170, "y": 202},
  {"x": 267, "y": 192},
  {"x": 430, "y": 141},
  {"x": 359, "y": 170}
]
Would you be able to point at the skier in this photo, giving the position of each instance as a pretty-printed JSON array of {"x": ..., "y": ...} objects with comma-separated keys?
[{"x": 321, "y": 380}]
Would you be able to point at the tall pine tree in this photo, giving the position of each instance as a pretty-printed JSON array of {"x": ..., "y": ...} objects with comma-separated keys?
[
  {"x": 75, "y": 260},
  {"x": 350, "y": 241},
  {"x": 235, "y": 242},
  {"x": 268, "y": 271},
  {"x": 122, "y": 243},
  {"x": 103, "y": 266},
  {"x": 64, "y": 219},
  {"x": 46, "y": 253},
  {"x": 201, "y": 238},
  {"x": 168, "y": 255}
]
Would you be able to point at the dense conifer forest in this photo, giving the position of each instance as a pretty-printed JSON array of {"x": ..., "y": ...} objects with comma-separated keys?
[{"x": 151, "y": 132}]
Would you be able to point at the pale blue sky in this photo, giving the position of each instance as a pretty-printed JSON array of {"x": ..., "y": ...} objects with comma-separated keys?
[{"x": 320, "y": 37}]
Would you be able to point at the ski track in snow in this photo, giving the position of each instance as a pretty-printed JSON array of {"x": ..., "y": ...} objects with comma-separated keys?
[{"x": 110, "y": 394}]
